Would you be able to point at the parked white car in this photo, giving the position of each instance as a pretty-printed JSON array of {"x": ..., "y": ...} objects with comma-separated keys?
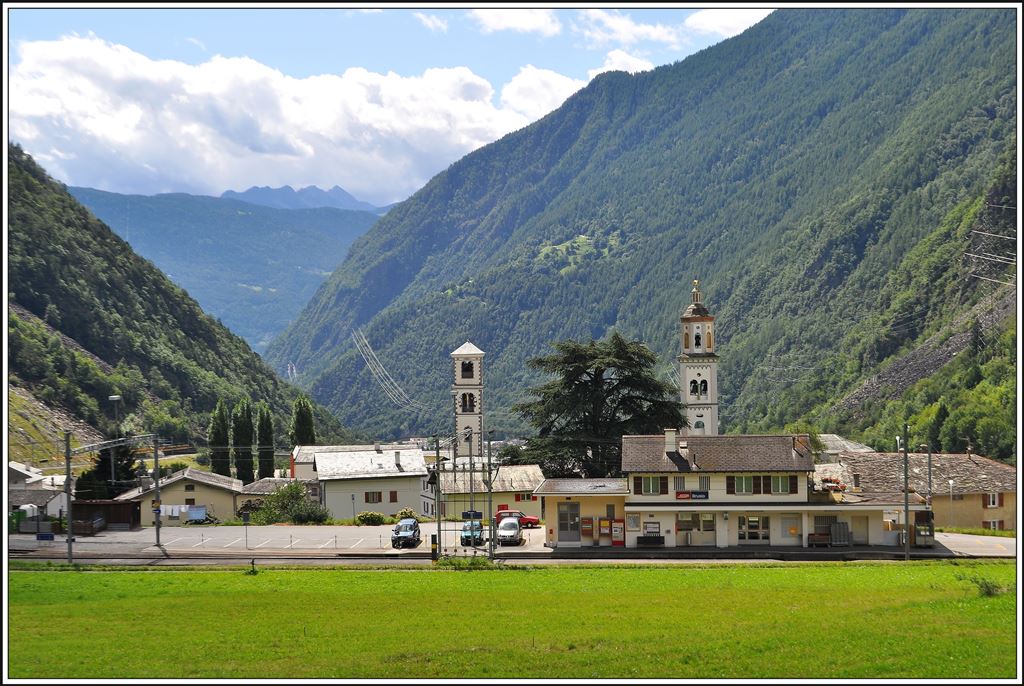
[{"x": 509, "y": 532}]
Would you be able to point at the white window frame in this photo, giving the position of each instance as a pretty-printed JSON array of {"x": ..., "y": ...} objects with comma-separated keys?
[
  {"x": 679, "y": 482},
  {"x": 746, "y": 480},
  {"x": 704, "y": 483},
  {"x": 650, "y": 485},
  {"x": 780, "y": 484},
  {"x": 993, "y": 500}
]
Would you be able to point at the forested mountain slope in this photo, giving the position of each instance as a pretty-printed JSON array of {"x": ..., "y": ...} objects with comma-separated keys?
[
  {"x": 89, "y": 318},
  {"x": 252, "y": 267},
  {"x": 791, "y": 169}
]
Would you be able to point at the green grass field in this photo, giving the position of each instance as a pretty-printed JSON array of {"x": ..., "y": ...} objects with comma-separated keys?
[{"x": 820, "y": 621}]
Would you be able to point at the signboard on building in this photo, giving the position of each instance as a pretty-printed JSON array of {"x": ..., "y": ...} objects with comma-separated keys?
[{"x": 691, "y": 495}]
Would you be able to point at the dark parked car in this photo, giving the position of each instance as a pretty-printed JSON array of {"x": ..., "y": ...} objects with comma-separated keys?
[
  {"x": 406, "y": 534},
  {"x": 525, "y": 520},
  {"x": 472, "y": 533}
]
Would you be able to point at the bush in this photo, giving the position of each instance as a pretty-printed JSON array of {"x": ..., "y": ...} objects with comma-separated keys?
[
  {"x": 308, "y": 512},
  {"x": 370, "y": 518},
  {"x": 986, "y": 587},
  {"x": 203, "y": 458},
  {"x": 407, "y": 512}
]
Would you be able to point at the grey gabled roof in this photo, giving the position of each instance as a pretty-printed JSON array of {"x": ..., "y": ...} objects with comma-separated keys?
[
  {"x": 369, "y": 464},
  {"x": 583, "y": 487},
  {"x": 883, "y": 473},
  {"x": 744, "y": 453},
  {"x": 16, "y": 497},
  {"x": 209, "y": 478},
  {"x": 507, "y": 479}
]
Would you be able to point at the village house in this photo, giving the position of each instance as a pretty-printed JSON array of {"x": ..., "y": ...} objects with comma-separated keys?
[
  {"x": 383, "y": 479},
  {"x": 186, "y": 494},
  {"x": 512, "y": 488},
  {"x": 967, "y": 490}
]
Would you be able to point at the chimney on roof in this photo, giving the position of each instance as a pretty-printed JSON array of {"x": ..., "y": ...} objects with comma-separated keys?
[
  {"x": 376, "y": 446},
  {"x": 398, "y": 459},
  {"x": 671, "y": 442}
]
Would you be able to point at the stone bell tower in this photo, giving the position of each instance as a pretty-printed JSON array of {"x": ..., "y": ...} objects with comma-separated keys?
[
  {"x": 698, "y": 367},
  {"x": 467, "y": 394}
]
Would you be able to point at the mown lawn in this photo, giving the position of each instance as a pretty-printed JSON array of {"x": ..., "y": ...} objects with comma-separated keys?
[{"x": 821, "y": 621}]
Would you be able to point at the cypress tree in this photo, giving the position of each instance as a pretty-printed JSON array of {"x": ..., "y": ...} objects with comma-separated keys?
[
  {"x": 302, "y": 432},
  {"x": 265, "y": 440},
  {"x": 241, "y": 441},
  {"x": 217, "y": 439}
]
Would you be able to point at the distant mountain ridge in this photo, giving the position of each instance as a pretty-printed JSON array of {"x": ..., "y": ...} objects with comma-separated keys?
[
  {"x": 287, "y": 198},
  {"x": 89, "y": 318},
  {"x": 792, "y": 169},
  {"x": 251, "y": 266}
]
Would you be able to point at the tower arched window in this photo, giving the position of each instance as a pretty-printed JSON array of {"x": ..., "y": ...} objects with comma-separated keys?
[
  {"x": 686, "y": 339},
  {"x": 467, "y": 370},
  {"x": 693, "y": 388},
  {"x": 703, "y": 387},
  {"x": 468, "y": 402},
  {"x": 698, "y": 425},
  {"x": 696, "y": 340},
  {"x": 709, "y": 340}
]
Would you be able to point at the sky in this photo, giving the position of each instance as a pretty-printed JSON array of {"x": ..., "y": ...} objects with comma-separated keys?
[{"x": 201, "y": 100}]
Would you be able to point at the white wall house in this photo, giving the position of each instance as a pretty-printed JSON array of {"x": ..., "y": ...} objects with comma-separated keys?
[{"x": 386, "y": 479}]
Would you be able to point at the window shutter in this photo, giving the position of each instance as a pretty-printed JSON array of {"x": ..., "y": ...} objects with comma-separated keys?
[
  {"x": 730, "y": 484},
  {"x": 366, "y": 496},
  {"x": 638, "y": 485},
  {"x": 517, "y": 497},
  {"x": 394, "y": 496},
  {"x": 1000, "y": 502},
  {"x": 793, "y": 485},
  {"x": 663, "y": 483},
  {"x": 1000, "y": 524},
  {"x": 984, "y": 501},
  {"x": 767, "y": 481},
  {"x": 757, "y": 484}
]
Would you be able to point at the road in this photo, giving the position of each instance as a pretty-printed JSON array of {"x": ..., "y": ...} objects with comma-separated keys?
[
  {"x": 209, "y": 545},
  {"x": 245, "y": 540}
]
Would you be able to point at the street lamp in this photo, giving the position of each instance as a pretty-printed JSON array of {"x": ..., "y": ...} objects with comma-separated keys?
[{"x": 117, "y": 427}]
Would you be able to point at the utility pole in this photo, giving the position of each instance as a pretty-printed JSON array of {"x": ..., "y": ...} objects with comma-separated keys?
[
  {"x": 469, "y": 439},
  {"x": 437, "y": 488},
  {"x": 156, "y": 480},
  {"x": 928, "y": 447},
  {"x": 69, "y": 532},
  {"x": 117, "y": 434},
  {"x": 906, "y": 496},
  {"x": 490, "y": 499}
]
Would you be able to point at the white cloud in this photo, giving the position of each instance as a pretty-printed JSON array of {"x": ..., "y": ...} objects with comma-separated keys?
[
  {"x": 432, "y": 22},
  {"x": 619, "y": 60},
  {"x": 101, "y": 115},
  {"x": 535, "y": 92},
  {"x": 725, "y": 22},
  {"x": 539, "y": 21},
  {"x": 602, "y": 27}
]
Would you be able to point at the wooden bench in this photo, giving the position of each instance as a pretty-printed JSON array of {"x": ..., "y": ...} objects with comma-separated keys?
[{"x": 818, "y": 539}]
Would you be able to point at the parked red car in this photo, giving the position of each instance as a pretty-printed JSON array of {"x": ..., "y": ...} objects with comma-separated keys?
[{"x": 526, "y": 521}]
